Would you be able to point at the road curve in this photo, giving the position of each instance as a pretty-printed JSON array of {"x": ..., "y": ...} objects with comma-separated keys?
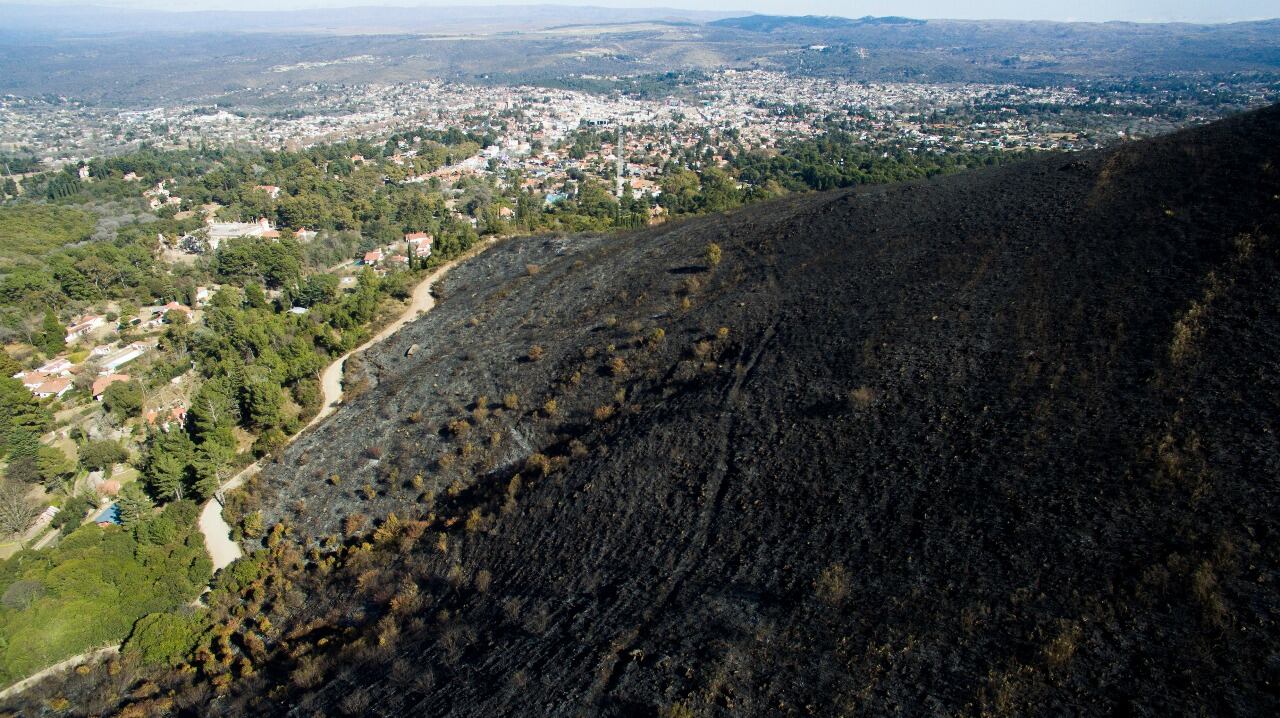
[{"x": 217, "y": 533}]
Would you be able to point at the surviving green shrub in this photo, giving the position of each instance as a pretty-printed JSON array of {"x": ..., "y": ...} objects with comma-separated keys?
[{"x": 164, "y": 639}]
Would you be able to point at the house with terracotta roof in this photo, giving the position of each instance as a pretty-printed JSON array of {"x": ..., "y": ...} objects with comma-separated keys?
[
  {"x": 53, "y": 387},
  {"x": 31, "y": 379},
  {"x": 176, "y": 307},
  {"x": 101, "y": 383},
  {"x": 373, "y": 256},
  {"x": 271, "y": 190},
  {"x": 175, "y": 417},
  {"x": 419, "y": 243}
]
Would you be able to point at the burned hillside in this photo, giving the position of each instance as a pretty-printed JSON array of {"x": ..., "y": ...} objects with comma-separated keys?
[{"x": 998, "y": 443}]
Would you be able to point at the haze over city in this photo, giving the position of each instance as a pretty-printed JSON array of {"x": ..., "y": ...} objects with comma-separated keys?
[{"x": 1086, "y": 10}]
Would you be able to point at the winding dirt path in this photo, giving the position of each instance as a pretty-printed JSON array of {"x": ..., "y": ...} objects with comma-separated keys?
[
  {"x": 217, "y": 533},
  {"x": 69, "y": 663}
]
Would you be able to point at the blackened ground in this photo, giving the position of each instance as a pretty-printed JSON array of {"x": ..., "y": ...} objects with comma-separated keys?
[{"x": 1004, "y": 443}]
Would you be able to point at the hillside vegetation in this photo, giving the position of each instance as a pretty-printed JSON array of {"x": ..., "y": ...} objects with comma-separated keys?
[
  {"x": 30, "y": 231},
  {"x": 89, "y": 590},
  {"x": 997, "y": 443}
]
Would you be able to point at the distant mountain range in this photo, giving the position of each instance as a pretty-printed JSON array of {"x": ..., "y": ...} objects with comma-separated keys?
[
  {"x": 93, "y": 19},
  {"x": 131, "y": 57},
  {"x": 771, "y": 23}
]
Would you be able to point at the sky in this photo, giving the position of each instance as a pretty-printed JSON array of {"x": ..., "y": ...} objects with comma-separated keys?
[{"x": 1087, "y": 10}]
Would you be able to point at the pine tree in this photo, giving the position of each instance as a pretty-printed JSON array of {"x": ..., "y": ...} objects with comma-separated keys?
[
  {"x": 166, "y": 475},
  {"x": 134, "y": 504},
  {"x": 54, "y": 465},
  {"x": 52, "y": 334},
  {"x": 8, "y": 365},
  {"x": 20, "y": 414},
  {"x": 23, "y": 444},
  {"x": 168, "y": 465}
]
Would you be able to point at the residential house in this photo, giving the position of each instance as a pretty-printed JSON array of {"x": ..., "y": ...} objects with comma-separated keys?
[
  {"x": 31, "y": 379},
  {"x": 174, "y": 418},
  {"x": 219, "y": 232},
  {"x": 84, "y": 325},
  {"x": 271, "y": 190},
  {"x": 101, "y": 383},
  {"x": 176, "y": 307},
  {"x": 122, "y": 357},
  {"x": 373, "y": 257},
  {"x": 56, "y": 367},
  {"x": 53, "y": 387}
]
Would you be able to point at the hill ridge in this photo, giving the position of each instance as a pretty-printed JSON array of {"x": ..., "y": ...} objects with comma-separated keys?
[{"x": 1002, "y": 442}]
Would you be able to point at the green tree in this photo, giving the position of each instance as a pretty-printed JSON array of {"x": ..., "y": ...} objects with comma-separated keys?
[
  {"x": 255, "y": 297},
  {"x": 53, "y": 336},
  {"x": 22, "y": 470},
  {"x": 679, "y": 191},
  {"x": 123, "y": 399},
  {"x": 8, "y": 365},
  {"x": 134, "y": 504},
  {"x": 54, "y": 466},
  {"x": 263, "y": 403},
  {"x": 713, "y": 254},
  {"x": 23, "y": 444},
  {"x": 719, "y": 191},
  {"x": 102, "y": 455},
  {"x": 212, "y": 466},
  {"x": 72, "y": 513},
  {"x": 21, "y": 416},
  {"x": 214, "y": 411},
  {"x": 164, "y": 639},
  {"x": 167, "y": 469}
]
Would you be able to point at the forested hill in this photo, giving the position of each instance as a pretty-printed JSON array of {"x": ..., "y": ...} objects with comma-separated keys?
[{"x": 998, "y": 443}]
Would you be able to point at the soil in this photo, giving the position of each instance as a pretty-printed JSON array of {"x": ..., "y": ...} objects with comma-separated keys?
[{"x": 1001, "y": 443}]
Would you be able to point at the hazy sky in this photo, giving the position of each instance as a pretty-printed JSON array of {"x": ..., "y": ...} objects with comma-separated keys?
[{"x": 1138, "y": 10}]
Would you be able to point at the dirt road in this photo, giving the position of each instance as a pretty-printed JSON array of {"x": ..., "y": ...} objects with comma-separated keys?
[
  {"x": 217, "y": 533},
  {"x": 419, "y": 302},
  {"x": 71, "y": 662}
]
